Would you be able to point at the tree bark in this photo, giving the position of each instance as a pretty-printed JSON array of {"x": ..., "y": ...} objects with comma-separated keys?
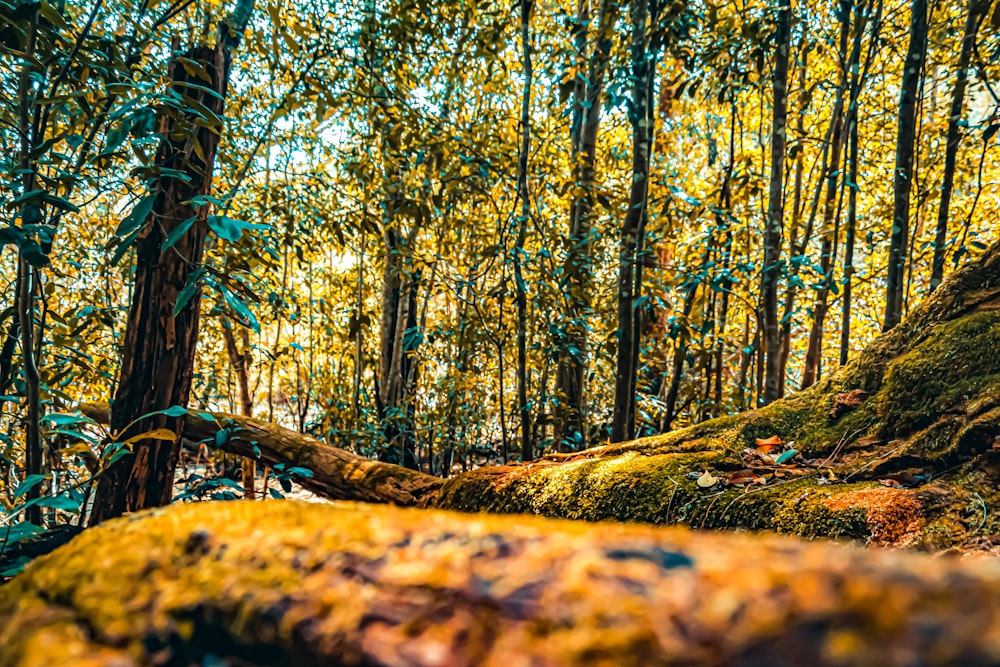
[
  {"x": 398, "y": 343},
  {"x": 771, "y": 270},
  {"x": 161, "y": 334},
  {"x": 903, "y": 179},
  {"x": 973, "y": 16},
  {"x": 863, "y": 10},
  {"x": 336, "y": 473}
]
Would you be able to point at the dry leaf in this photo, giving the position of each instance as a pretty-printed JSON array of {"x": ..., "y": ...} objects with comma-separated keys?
[{"x": 707, "y": 480}]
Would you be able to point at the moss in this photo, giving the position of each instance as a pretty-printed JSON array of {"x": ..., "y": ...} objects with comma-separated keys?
[
  {"x": 299, "y": 583},
  {"x": 949, "y": 369}
]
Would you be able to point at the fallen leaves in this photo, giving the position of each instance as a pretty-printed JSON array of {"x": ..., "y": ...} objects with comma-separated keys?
[{"x": 772, "y": 458}]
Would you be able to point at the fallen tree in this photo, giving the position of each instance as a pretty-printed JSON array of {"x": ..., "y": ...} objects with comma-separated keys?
[
  {"x": 290, "y": 583},
  {"x": 336, "y": 473},
  {"x": 895, "y": 448}
]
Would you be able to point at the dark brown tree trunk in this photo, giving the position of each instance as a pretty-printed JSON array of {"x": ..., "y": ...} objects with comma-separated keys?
[
  {"x": 771, "y": 270},
  {"x": 814, "y": 351},
  {"x": 975, "y": 12},
  {"x": 629, "y": 260},
  {"x": 521, "y": 292},
  {"x": 570, "y": 429},
  {"x": 161, "y": 334},
  {"x": 903, "y": 179}
]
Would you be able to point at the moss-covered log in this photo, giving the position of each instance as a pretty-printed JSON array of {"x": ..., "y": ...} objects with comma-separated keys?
[
  {"x": 303, "y": 584},
  {"x": 918, "y": 410},
  {"x": 336, "y": 473}
]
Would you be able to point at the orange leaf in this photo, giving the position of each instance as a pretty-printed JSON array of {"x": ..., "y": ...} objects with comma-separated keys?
[{"x": 773, "y": 441}]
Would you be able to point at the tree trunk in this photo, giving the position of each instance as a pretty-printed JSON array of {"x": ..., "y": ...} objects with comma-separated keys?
[
  {"x": 399, "y": 316},
  {"x": 853, "y": 186},
  {"x": 238, "y": 360},
  {"x": 570, "y": 428},
  {"x": 161, "y": 334},
  {"x": 973, "y": 16},
  {"x": 521, "y": 294},
  {"x": 831, "y": 217},
  {"x": 903, "y": 179},
  {"x": 336, "y": 473},
  {"x": 629, "y": 288},
  {"x": 771, "y": 270}
]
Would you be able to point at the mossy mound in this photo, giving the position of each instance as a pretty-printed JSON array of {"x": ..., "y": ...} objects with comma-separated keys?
[
  {"x": 921, "y": 404},
  {"x": 290, "y": 583}
]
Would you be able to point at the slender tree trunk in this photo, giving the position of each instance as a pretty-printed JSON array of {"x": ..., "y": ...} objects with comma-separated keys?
[
  {"x": 683, "y": 336},
  {"x": 814, "y": 351},
  {"x": 161, "y": 334},
  {"x": 359, "y": 329},
  {"x": 772, "y": 233},
  {"x": 974, "y": 13},
  {"x": 521, "y": 292},
  {"x": 571, "y": 432},
  {"x": 723, "y": 221},
  {"x": 629, "y": 289},
  {"x": 796, "y": 223},
  {"x": 903, "y": 179},
  {"x": 25, "y": 298},
  {"x": 399, "y": 316},
  {"x": 238, "y": 361},
  {"x": 852, "y": 192}
]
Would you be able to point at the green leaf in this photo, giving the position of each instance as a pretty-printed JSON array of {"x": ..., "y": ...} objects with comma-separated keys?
[
  {"x": 174, "y": 411},
  {"x": 30, "y": 482},
  {"x": 16, "y": 532},
  {"x": 134, "y": 220},
  {"x": 60, "y": 502},
  {"x": 177, "y": 233},
  {"x": 229, "y": 229},
  {"x": 65, "y": 419},
  {"x": 124, "y": 245},
  {"x": 189, "y": 290}
]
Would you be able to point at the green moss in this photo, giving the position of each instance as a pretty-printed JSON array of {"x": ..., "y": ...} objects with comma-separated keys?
[
  {"x": 953, "y": 366},
  {"x": 348, "y": 584}
]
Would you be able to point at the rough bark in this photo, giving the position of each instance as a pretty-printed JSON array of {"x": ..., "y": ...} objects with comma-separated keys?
[
  {"x": 521, "y": 292},
  {"x": 158, "y": 354},
  {"x": 238, "y": 361},
  {"x": 831, "y": 207},
  {"x": 398, "y": 346},
  {"x": 298, "y": 584}
]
